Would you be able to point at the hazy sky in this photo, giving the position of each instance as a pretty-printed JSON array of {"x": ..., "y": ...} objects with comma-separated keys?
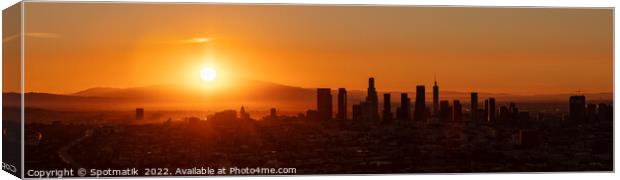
[{"x": 71, "y": 47}]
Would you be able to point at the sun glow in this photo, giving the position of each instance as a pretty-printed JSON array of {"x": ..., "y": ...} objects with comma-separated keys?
[{"x": 208, "y": 74}]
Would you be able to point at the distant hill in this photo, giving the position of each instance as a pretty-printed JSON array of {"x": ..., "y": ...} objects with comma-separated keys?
[
  {"x": 255, "y": 94},
  {"x": 242, "y": 90},
  {"x": 98, "y": 91}
]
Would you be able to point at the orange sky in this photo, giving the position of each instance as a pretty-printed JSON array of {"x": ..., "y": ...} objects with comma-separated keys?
[{"x": 71, "y": 47}]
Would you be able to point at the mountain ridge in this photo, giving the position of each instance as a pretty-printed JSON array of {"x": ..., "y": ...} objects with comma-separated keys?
[{"x": 258, "y": 94}]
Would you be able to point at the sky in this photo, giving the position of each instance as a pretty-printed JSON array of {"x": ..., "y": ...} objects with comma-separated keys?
[{"x": 71, "y": 47}]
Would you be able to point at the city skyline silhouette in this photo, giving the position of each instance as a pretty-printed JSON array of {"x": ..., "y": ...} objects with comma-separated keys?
[{"x": 316, "y": 89}]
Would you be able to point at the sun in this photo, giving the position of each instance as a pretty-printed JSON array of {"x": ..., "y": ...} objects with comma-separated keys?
[{"x": 208, "y": 74}]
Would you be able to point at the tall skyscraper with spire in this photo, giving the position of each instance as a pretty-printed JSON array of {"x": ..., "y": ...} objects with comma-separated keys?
[
  {"x": 435, "y": 98},
  {"x": 372, "y": 100}
]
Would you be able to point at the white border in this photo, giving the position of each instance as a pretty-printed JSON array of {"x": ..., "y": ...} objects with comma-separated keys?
[
  {"x": 556, "y": 3},
  {"x": 528, "y": 3}
]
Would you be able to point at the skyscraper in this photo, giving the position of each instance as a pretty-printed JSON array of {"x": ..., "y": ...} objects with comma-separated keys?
[
  {"x": 435, "y": 98},
  {"x": 324, "y": 103},
  {"x": 491, "y": 113},
  {"x": 342, "y": 104},
  {"x": 605, "y": 112},
  {"x": 577, "y": 108},
  {"x": 457, "y": 113},
  {"x": 366, "y": 109},
  {"x": 356, "y": 112},
  {"x": 373, "y": 100},
  {"x": 419, "y": 113},
  {"x": 387, "y": 107},
  {"x": 444, "y": 110},
  {"x": 403, "y": 112},
  {"x": 504, "y": 114},
  {"x": 513, "y": 111},
  {"x": 474, "y": 106},
  {"x": 485, "y": 112}
]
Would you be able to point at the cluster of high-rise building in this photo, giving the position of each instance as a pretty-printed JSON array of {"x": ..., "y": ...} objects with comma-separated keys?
[
  {"x": 487, "y": 113},
  {"x": 580, "y": 111},
  {"x": 368, "y": 110}
]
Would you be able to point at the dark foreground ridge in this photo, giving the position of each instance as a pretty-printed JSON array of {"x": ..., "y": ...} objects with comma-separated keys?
[{"x": 330, "y": 147}]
